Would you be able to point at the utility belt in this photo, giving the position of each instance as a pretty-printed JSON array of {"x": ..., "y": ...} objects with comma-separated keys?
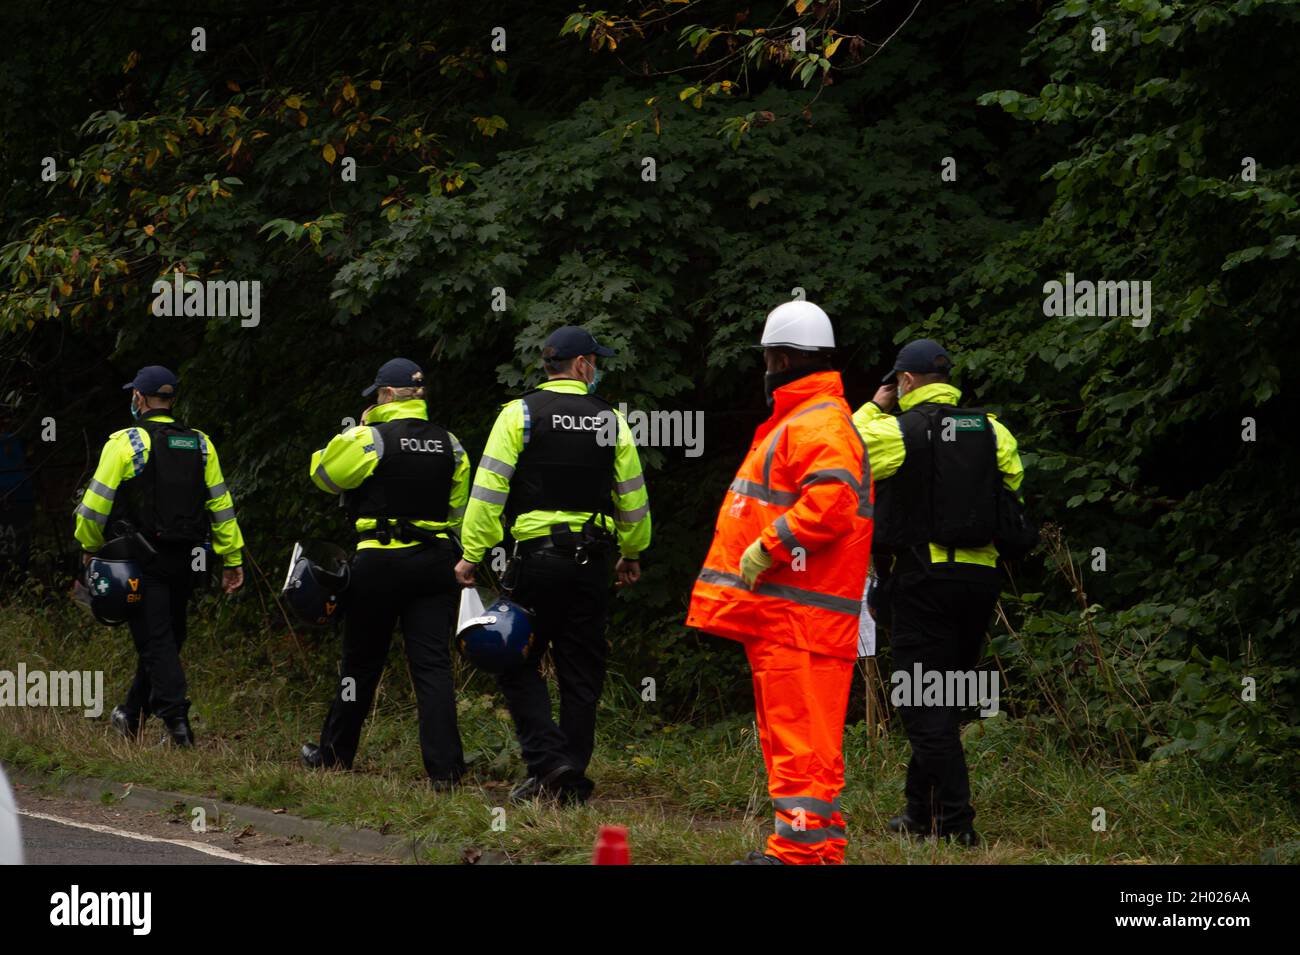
[
  {"x": 911, "y": 561},
  {"x": 390, "y": 529},
  {"x": 562, "y": 541}
]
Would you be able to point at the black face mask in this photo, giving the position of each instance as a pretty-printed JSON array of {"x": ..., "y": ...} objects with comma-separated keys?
[{"x": 775, "y": 379}]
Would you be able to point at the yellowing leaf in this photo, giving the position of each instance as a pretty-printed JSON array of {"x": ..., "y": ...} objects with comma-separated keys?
[
  {"x": 232, "y": 86},
  {"x": 328, "y": 153},
  {"x": 215, "y": 187},
  {"x": 349, "y": 92},
  {"x": 96, "y": 284},
  {"x": 104, "y": 176},
  {"x": 833, "y": 46},
  {"x": 148, "y": 230},
  {"x": 376, "y": 84},
  {"x": 151, "y": 157},
  {"x": 800, "y": 6},
  {"x": 302, "y": 118},
  {"x": 293, "y": 102},
  {"x": 239, "y": 141}
]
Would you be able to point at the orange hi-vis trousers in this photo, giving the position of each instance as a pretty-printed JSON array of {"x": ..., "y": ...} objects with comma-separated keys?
[{"x": 800, "y": 699}]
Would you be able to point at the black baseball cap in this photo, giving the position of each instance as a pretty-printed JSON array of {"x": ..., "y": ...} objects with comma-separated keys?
[
  {"x": 574, "y": 340},
  {"x": 398, "y": 373},
  {"x": 153, "y": 380},
  {"x": 921, "y": 357}
]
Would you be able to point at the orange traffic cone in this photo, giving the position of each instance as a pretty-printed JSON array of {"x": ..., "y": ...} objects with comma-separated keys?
[{"x": 612, "y": 847}]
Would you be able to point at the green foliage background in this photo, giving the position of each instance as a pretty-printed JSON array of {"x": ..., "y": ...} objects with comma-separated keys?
[{"x": 523, "y": 170}]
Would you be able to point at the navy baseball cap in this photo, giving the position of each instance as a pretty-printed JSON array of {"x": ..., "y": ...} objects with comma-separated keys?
[
  {"x": 573, "y": 340},
  {"x": 921, "y": 357},
  {"x": 153, "y": 380},
  {"x": 398, "y": 373}
]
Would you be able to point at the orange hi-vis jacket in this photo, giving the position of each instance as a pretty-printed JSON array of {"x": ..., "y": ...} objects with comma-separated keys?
[{"x": 805, "y": 490}]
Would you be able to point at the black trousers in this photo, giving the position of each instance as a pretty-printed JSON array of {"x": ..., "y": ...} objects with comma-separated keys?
[
  {"x": 939, "y": 623},
  {"x": 569, "y": 602},
  {"x": 158, "y": 631},
  {"x": 418, "y": 587}
]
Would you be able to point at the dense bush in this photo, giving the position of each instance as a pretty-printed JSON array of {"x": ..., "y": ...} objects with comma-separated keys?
[{"x": 523, "y": 170}]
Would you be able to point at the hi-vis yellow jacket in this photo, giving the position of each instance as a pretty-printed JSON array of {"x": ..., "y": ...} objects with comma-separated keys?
[
  {"x": 352, "y": 456},
  {"x": 482, "y": 529},
  {"x": 884, "y": 439},
  {"x": 123, "y": 457}
]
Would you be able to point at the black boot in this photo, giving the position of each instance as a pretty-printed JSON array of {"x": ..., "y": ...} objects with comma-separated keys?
[
  {"x": 758, "y": 858},
  {"x": 128, "y": 724},
  {"x": 316, "y": 757},
  {"x": 564, "y": 783},
  {"x": 178, "y": 730},
  {"x": 963, "y": 837},
  {"x": 907, "y": 825}
]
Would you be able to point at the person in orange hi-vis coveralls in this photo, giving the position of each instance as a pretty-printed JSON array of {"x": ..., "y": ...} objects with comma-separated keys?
[{"x": 785, "y": 577}]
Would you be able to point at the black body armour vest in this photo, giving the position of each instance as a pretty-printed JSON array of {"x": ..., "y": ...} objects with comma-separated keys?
[
  {"x": 568, "y": 462},
  {"x": 167, "y": 500},
  {"x": 947, "y": 489},
  {"x": 413, "y": 478}
]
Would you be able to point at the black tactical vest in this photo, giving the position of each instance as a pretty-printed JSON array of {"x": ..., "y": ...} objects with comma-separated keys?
[
  {"x": 568, "y": 462},
  {"x": 947, "y": 489},
  {"x": 167, "y": 500},
  {"x": 414, "y": 474}
]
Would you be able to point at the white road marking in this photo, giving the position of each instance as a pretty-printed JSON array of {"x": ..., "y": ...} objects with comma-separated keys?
[{"x": 141, "y": 837}]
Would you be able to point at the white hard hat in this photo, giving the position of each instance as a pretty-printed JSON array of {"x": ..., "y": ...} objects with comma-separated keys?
[{"x": 798, "y": 324}]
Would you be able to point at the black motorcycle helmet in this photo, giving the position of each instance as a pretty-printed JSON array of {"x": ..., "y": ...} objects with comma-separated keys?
[
  {"x": 318, "y": 577},
  {"x": 113, "y": 580}
]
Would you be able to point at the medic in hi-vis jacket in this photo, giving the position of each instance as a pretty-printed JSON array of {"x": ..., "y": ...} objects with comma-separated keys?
[{"x": 159, "y": 494}]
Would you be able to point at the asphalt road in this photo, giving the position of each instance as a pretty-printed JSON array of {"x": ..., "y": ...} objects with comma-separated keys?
[{"x": 46, "y": 842}]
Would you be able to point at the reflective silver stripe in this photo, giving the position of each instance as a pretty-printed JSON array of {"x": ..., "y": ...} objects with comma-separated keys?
[
  {"x": 807, "y": 836},
  {"x": 377, "y": 440},
  {"x": 225, "y": 514},
  {"x": 88, "y": 514},
  {"x": 137, "y": 450},
  {"x": 829, "y": 475},
  {"x": 457, "y": 450},
  {"x": 808, "y": 804},
  {"x": 631, "y": 517},
  {"x": 217, "y": 490},
  {"x": 103, "y": 490},
  {"x": 761, "y": 493},
  {"x": 203, "y": 446},
  {"x": 487, "y": 494},
  {"x": 456, "y": 513},
  {"x": 327, "y": 480},
  {"x": 630, "y": 485},
  {"x": 783, "y": 531},
  {"x": 496, "y": 466},
  {"x": 809, "y": 598}
]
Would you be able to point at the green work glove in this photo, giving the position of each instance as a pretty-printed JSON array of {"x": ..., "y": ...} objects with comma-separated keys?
[{"x": 753, "y": 562}]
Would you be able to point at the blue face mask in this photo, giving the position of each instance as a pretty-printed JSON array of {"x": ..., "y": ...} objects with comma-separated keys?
[
  {"x": 596, "y": 376},
  {"x": 135, "y": 412}
]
